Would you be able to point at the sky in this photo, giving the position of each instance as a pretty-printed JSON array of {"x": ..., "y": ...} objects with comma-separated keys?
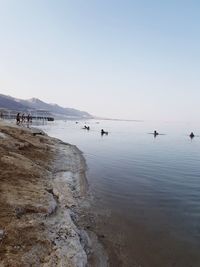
[{"x": 113, "y": 58}]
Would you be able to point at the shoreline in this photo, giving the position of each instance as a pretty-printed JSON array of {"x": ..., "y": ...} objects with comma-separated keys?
[{"x": 43, "y": 184}]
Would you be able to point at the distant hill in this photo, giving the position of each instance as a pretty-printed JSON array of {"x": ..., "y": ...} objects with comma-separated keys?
[
  {"x": 56, "y": 110},
  {"x": 8, "y": 102}
]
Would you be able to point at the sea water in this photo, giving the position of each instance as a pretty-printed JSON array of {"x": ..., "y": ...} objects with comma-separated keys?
[{"x": 150, "y": 187}]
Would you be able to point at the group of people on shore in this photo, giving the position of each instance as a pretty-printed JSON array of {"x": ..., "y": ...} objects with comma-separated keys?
[{"x": 20, "y": 119}]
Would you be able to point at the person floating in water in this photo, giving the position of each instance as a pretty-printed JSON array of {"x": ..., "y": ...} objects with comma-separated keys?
[
  {"x": 192, "y": 135},
  {"x": 103, "y": 132},
  {"x": 86, "y": 127},
  {"x": 155, "y": 133}
]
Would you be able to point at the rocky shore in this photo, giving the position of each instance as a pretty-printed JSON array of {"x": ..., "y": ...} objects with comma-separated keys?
[{"x": 42, "y": 183}]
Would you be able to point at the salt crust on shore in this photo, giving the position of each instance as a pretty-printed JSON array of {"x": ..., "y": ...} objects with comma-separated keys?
[{"x": 41, "y": 180}]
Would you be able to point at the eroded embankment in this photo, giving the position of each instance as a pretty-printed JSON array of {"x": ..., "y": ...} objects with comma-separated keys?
[{"x": 42, "y": 180}]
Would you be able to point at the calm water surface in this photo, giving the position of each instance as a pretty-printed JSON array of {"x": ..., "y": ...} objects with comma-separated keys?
[{"x": 151, "y": 186}]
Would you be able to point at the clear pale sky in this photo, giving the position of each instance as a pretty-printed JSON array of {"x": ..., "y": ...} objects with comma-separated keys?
[{"x": 132, "y": 59}]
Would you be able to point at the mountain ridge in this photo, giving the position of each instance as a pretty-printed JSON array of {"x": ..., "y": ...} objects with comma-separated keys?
[{"x": 59, "y": 112}]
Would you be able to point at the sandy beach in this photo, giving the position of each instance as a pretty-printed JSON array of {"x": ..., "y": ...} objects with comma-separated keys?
[{"x": 42, "y": 183}]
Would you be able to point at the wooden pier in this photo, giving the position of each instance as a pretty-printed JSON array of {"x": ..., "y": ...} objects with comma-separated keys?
[{"x": 13, "y": 117}]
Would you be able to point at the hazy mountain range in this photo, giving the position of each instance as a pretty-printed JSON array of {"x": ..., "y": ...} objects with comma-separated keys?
[{"x": 20, "y": 105}]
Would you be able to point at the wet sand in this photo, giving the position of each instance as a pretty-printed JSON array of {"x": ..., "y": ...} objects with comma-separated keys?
[{"x": 42, "y": 183}]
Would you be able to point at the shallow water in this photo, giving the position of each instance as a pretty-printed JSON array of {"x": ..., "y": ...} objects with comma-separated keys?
[{"x": 149, "y": 186}]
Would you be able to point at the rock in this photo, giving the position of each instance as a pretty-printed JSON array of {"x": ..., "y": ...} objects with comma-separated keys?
[
  {"x": 2, "y": 135},
  {"x": 2, "y": 233}
]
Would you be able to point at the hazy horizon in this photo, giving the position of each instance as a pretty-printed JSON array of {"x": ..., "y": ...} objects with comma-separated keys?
[{"x": 116, "y": 59}]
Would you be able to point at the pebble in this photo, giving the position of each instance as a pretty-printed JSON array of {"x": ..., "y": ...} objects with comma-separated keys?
[{"x": 1, "y": 234}]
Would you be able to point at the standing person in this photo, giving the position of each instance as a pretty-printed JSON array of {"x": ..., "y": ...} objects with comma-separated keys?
[
  {"x": 18, "y": 118},
  {"x": 23, "y": 117},
  {"x": 28, "y": 118}
]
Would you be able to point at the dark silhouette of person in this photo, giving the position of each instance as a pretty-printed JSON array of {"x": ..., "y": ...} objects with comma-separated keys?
[
  {"x": 192, "y": 135},
  {"x": 28, "y": 118},
  {"x": 18, "y": 118},
  {"x": 23, "y": 117},
  {"x": 103, "y": 132},
  {"x": 155, "y": 133}
]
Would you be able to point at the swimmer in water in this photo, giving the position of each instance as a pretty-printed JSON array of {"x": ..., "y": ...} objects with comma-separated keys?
[
  {"x": 192, "y": 135},
  {"x": 103, "y": 132},
  {"x": 155, "y": 133}
]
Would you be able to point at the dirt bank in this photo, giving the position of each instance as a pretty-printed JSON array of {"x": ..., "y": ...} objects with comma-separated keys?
[{"x": 42, "y": 182}]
